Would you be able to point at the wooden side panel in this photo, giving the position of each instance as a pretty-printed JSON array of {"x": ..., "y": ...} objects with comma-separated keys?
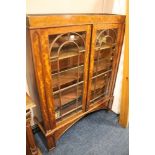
[
  {"x": 47, "y": 78},
  {"x": 36, "y": 51},
  {"x": 30, "y": 77}
]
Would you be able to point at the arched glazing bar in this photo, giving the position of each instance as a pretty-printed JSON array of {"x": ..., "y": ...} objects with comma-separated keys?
[
  {"x": 101, "y": 40},
  {"x": 61, "y": 35},
  {"x": 59, "y": 51}
]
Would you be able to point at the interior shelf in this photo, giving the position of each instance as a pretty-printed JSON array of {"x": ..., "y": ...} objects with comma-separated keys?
[
  {"x": 107, "y": 54},
  {"x": 67, "y": 64},
  {"x": 106, "y": 46},
  {"x": 98, "y": 97},
  {"x": 102, "y": 67},
  {"x": 67, "y": 78},
  {"x": 99, "y": 91},
  {"x": 102, "y": 73},
  {"x": 103, "y": 61},
  {"x": 66, "y": 53},
  {"x": 67, "y": 111},
  {"x": 68, "y": 87},
  {"x": 67, "y": 98},
  {"x": 99, "y": 85},
  {"x": 68, "y": 69}
]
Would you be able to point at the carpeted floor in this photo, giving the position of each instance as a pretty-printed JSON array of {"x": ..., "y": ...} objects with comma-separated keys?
[{"x": 96, "y": 134}]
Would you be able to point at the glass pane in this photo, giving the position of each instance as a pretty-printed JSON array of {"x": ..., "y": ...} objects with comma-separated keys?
[
  {"x": 67, "y": 77},
  {"x": 68, "y": 101},
  {"x": 103, "y": 60},
  {"x": 67, "y": 53},
  {"x": 69, "y": 44},
  {"x": 67, "y": 63},
  {"x": 100, "y": 86},
  {"x": 106, "y": 43}
]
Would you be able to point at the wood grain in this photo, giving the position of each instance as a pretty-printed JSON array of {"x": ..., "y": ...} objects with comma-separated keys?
[
  {"x": 31, "y": 148},
  {"x": 45, "y": 65},
  {"x": 44, "y": 21},
  {"x": 35, "y": 43},
  {"x": 124, "y": 110}
]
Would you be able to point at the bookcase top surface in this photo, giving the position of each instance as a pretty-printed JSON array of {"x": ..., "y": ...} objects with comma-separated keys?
[
  {"x": 82, "y": 14},
  {"x": 54, "y": 20}
]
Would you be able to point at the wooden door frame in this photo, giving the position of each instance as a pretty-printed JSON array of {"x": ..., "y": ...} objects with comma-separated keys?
[
  {"x": 44, "y": 33},
  {"x": 124, "y": 109},
  {"x": 96, "y": 27}
]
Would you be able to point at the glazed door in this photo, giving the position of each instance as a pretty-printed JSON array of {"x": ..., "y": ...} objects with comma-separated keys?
[
  {"x": 103, "y": 62},
  {"x": 68, "y": 57}
]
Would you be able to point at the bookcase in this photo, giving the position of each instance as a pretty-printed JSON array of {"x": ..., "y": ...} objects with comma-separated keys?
[{"x": 76, "y": 58}]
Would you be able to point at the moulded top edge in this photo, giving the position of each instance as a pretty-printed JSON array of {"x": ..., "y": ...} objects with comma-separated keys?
[
  {"x": 52, "y": 20},
  {"x": 74, "y": 14}
]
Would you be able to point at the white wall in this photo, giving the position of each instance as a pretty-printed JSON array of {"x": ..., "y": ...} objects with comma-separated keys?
[
  {"x": 118, "y": 8},
  {"x": 78, "y": 6},
  {"x": 64, "y": 6}
]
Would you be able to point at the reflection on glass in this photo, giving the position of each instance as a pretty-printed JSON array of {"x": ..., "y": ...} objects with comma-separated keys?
[
  {"x": 99, "y": 86},
  {"x": 67, "y": 64},
  {"x": 106, "y": 43},
  {"x": 69, "y": 100}
]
